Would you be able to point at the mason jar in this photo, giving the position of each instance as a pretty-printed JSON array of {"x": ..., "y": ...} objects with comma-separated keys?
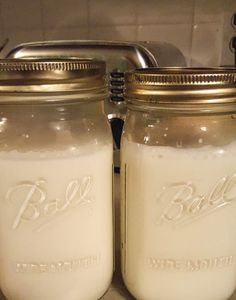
[
  {"x": 55, "y": 180},
  {"x": 179, "y": 184}
]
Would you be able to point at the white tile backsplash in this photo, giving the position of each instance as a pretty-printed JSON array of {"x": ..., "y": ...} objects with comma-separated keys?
[
  {"x": 170, "y": 33},
  {"x": 112, "y": 12},
  {"x": 67, "y": 34},
  {"x": 227, "y": 55},
  {"x": 21, "y": 14},
  {"x": 22, "y": 36},
  {"x": 64, "y": 14},
  {"x": 206, "y": 11},
  {"x": 209, "y": 35},
  {"x": 164, "y": 11},
  {"x": 3, "y": 35},
  {"x": 201, "y": 29},
  {"x": 123, "y": 33}
]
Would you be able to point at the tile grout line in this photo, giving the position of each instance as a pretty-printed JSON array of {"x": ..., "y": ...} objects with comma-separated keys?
[
  {"x": 222, "y": 22},
  {"x": 1, "y": 17},
  {"x": 224, "y": 33},
  {"x": 192, "y": 32},
  {"x": 2, "y": 20},
  {"x": 88, "y": 5},
  {"x": 42, "y": 20},
  {"x": 136, "y": 20},
  {"x": 6, "y": 39}
]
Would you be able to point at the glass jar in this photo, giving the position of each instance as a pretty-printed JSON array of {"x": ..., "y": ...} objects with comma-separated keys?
[
  {"x": 178, "y": 160},
  {"x": 55, "y": 181}
]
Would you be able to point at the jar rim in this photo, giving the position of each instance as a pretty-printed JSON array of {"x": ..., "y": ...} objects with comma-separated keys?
[
  {"x": 44, "y": 78},
  {"x": 181, "y": 87}
]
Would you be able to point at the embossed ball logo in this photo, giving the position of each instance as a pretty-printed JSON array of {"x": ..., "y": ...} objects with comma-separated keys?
[
  {"x": 37, "y": 206},
  {"x": 181, "y": 203}
]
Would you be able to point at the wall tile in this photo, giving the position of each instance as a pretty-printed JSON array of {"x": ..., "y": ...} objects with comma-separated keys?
[
  {"x": 115, "y": 12},
  {"x": 208, "y": 11},
  {"x": 3, "y": 35},
  {"x": 188, "y": 24},
  {"x": 206, "y": 45},
  {"x": 21, "y": 15},
  {"x": 176, "y": 34},
  {"x": 164, "y": 11},
  {"x": 227, "y": 55},
  {"x": 229, "y": 6},
  {"x": 67, "y": 34},
  {"x": 17, "y": 37},
  {"x": 64, "y": 13},
  {"x": 125, "y": 33}
]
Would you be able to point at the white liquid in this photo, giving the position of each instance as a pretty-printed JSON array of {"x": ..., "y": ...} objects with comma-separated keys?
[
  {"x": 56, "y": 225},
  {"x": 179, "y": 222}
]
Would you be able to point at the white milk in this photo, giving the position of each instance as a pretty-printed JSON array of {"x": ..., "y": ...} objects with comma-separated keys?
[
  {"x": 180, "y": 222},
  {"x": 56, "y": 225}
]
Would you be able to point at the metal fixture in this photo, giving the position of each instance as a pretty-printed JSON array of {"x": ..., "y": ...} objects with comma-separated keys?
[{"x": 119, "y": 57}]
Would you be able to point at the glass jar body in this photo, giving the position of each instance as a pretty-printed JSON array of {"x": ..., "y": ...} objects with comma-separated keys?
[
  {"x": 178, "y": 205},
  {"x": 56, "y": 201}
]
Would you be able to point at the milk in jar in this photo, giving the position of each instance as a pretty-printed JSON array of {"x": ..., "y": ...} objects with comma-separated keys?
[
  {"x": 55, "y": 183},
  {"x": 179, "y": 186}
]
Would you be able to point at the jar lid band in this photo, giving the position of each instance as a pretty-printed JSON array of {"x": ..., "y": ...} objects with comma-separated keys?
[
  {"x": 87, "y": 78},
  {"x": 181, "y": 86}
]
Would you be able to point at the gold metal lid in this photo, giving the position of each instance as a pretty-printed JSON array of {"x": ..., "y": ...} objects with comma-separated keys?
[
  {"x": 181, "y": 88},
  {"x": 85, "y": 79}
]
